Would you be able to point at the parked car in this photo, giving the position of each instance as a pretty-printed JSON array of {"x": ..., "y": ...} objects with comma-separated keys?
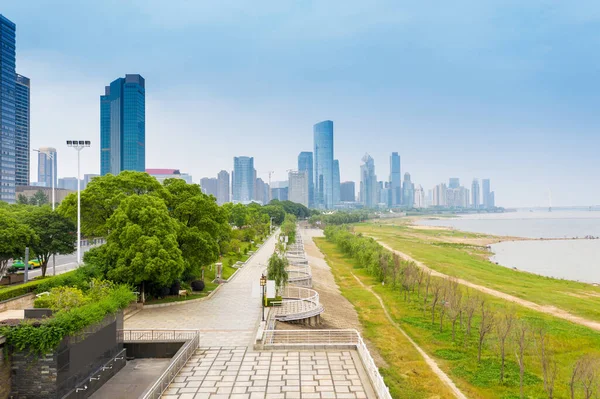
[{"x": 18, "y": 264}]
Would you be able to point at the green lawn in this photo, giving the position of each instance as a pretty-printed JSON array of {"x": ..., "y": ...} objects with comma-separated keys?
[
  {"x": 457, "y": 358},
  {"x": 468, "y": 262}
]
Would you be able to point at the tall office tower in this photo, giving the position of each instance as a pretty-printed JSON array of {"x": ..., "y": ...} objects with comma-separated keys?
[
  {"x": 385, "y": 193},
  {"x": 419, "y": 197},
  {"x": 123, "y": 126},
  {"x": 209, "y": 186},
  {"x": 454, "y": 182},
  {"x": 439, "y": 195},
  {"x": 22, "y": 131},
  {"x": 298, "y": 187},
  {"x": 408, "y": 191},
  {"x": 243, "y": 179},
  {"x": 279, "y": 190},
  {"x": 336, "y": 182},
  {"x": 222, "y": 187},
  {"x": 305, "y": 163},
  {"x": 46, "y": 162},
  {"x": 87, "y": 178},
  {"x": 485, "y": 194},
  {"x": 395, "y": 179},
  {"x": 475, "y": 195},
  {"x": 323, "y": 160},
  {"x": 368, "y": 182},
  {"x": 347, "y": 191},
  {"x": 492, "y": 200},
  {"x": 8, "y": 82},
  {"x": 68, "y": 183},
  {"x": 259, "y": 191}
]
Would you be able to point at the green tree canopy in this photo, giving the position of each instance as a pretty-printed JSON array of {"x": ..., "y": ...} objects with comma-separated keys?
[
  {"x": 277, "y": 270},
  {"x": 14, "y": 237},
  {"x": 39, "y": 198}
]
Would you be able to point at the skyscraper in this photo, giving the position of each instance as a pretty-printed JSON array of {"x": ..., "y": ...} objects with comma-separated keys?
[
  {"x": 222, "y": 187},
  {"x": 323, "y": 157},
  {"x": 485, "y": 197},
  {"x": 305, "y": 163},
  {"x": 46, "y": 163},
  {"x": 123, "y": 126},
  {"x": 336, "y": 182},
  {"x": 209, "y": 185},
  {"x": 395, "y": 179},
  {"x": 368, "y": 182},
  {"x": 87, "y": 178},
  {"x": 243, "y": 179},
  {"x": 260, "y": 193},
  {"x": 408, "y": 191},
  {"x": 22, "y": 130},
  {"x": 454, "y": 182},
  {"x": 419, "y": 197},
  {"x": 475, "y": 195},
  {"x": 298, "y": 187},
  {"x": 8, "y": 82},
  {"x": 347, "y": 191}
]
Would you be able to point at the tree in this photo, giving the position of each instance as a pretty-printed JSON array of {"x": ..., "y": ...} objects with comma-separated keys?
[
  {"x": 503, "y": 329},
  {"x": 14, "y": 237},
  {"x": 55, "y": 234},
  {"x": 584, "y": 375},
  {"x": 456, "y": 305},
  {"x": 22, "y": 200},
  {"x": 142, "y": 245},
  {"x": 549, "y": 365},
  {"x": 471, "y": 305},
  {"x": 276, "y": 212},
  {"x": 486, "y": 325},
  {"x": 39, "y": 198},
  {"x": 277, "y": 270},
  {"x": 521, "y": 332}
]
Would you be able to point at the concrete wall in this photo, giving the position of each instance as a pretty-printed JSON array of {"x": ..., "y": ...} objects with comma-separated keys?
[
  {"x": 18, "y": 303},
  {"x": 143, "y": 350},
  {"x": 5, "y": 383}
]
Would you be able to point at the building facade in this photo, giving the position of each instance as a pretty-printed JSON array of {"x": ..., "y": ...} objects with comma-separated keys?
[
  {"x": 298, "y": 187},
  {"x": 475, "y": 194},
  {"x": 454, "y": 182},
  {"x": 162, "y": 174},
  {"x": 243, "y": 179},
  {"x": 260, "y": 191},
  {"x": 223, "y": 187},
  {"x": 22, "y": 131},
  {"x": 485, "y": 193},
  {"x": 419, "y": 197},
  {"x": 395, "y": 179},
  {"x": 306, "y": 163},
  {"x": 68, "y": 183},
  {"x": 8, "y": 82},
  {"x": 209, "y": 186},
  {"x": 408, "y": 191},
  {"x": 123, "y": 126},
  {"x": 336, "y": 182},
  {"x": 348, "y": 191},
  {"x": 279, "y": 190},
  {"x": 87, "y": 178},
  {"x": 47, "y": 166},
  {"x": 368, "y": 182},
  {"x": 323, "y": 161}
]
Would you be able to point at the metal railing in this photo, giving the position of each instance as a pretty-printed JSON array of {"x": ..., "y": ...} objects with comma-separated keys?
[
  {"x": 192, "y": 342},
  {"x": 286, "y": 338}
]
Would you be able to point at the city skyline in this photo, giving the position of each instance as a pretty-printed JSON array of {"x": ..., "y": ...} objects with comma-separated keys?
[{"x": 527, "y": 124}]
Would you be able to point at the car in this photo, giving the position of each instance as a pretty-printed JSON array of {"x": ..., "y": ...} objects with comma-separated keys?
[{"x": 18, "y": 264}]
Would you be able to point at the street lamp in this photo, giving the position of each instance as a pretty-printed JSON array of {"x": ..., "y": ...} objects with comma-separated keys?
[
  {"x": 263, "y": 283},
  {"x": 51, "y": 154},
  {"x": 78, "y": 145}
]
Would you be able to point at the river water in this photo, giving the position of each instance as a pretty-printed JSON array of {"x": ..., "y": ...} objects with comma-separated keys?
[{"x": 568, "y": 259}]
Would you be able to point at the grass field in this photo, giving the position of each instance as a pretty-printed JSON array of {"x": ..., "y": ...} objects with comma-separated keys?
[
  {"x": 470, "y": 262},
  {"x": 457, "y": 358}
]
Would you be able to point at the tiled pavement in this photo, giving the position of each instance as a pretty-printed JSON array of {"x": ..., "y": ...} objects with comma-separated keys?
[{"x": 240, "y": 373}]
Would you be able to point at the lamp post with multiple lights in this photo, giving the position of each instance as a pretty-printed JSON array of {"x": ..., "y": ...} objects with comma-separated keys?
[
  {"x": 78, "y": 145},
  {"x": 263, "y": 283},
  {"x": 51, "y": 154}
]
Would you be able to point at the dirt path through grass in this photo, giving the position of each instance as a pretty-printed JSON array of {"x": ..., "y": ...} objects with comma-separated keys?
[
  {"x": 551, "y": 310},
  {"x": 430, "y": 362}
]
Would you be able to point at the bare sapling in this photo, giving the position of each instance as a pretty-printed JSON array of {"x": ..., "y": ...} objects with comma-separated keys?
[
  {"x": 504, "y": 327},
  {"x": 485, "y": 326},
  {"x": 521, "y": 333},
  {"x": 548, "y": 362}
]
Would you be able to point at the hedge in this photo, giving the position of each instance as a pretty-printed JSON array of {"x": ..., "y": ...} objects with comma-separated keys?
[{"x": 38, "y": 285}]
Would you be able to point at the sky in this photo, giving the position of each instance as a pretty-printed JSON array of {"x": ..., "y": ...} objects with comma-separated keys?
[{"x": 506, "y": 90}]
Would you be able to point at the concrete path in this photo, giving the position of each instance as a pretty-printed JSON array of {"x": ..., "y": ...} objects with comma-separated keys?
[{"x": 229, "y": 318}]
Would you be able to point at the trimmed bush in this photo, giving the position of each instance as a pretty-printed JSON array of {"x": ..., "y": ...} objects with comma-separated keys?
[
  {"x": 164, "y": 292},
  {"x": 175, "y": 288},
  {"x": 198, "y": 285}
]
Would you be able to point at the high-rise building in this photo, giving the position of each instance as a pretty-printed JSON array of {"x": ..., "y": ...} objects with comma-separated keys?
[
  {"x": 163, "y": 174},
  {"x": 336, "y": 182},
  {"x": 408, "y": 191},
  {"x": 385, "y": 193},
  {"x": 22, "y": 131},
  {"x": 222, "y": 187},
  {"x": 368, "y": 182},
  {"x": 454, "y": 182},
  {"x": 395, "y": 179},
  {"x": 485, "y": 193},
  {"x": 298, "y": 187},
  {"x": 87, "y": 178},
  {"x": 306, "y": 163},
  {"x": 8, "y": 82},
  {"x": 347, "y": 191},
  {"x": 243, "y": 179},
  {"x": 323, "y": 160},
  {"x": 123, "y": 126},
  {"x": 68, "y": 183},
  {"x": 439, "y": 195},
  {"x": 475, "y": 195},
  {"x": 492, "y": 200},
  {"x": 279, "y": 190},
  {"x": 47, "y": 162},
  {"x": 419, "y": 197},
  {"x": 260, "y": 193},
  {"x": 209, "y": 185}
]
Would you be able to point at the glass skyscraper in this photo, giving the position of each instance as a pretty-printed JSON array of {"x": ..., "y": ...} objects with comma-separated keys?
[
  {"x": 8, "y": 82},
  {"x": 395, "y": 179},
  {"x": 323, "y": 160},
  {"x": 123, "y": 126},
  {"x": 368, "y": 182},
  {"x": 336, "y": 182},
  {"x": 22, "y": 137},
  {"x": 305, "y": 163},
  {"x": 243, "y": 179},
  {"x": 486, "y": 193},
  {"x": 47, "y": 163},
  {"x": 475, "y": 195}
]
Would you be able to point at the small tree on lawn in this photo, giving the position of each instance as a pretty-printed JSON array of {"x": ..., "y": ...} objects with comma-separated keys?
[
  {"x": 14, "y": 237},
  {"x": 276, "y": 270}
]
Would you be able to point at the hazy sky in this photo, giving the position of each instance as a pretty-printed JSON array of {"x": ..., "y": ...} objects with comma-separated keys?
[{"x": 504, "y": 89}]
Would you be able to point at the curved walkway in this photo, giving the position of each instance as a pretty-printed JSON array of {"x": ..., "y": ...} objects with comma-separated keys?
[{"x": 551, "y": 310}]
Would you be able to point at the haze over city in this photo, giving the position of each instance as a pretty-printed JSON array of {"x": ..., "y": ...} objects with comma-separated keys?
[{"x": 497, "y": 92}]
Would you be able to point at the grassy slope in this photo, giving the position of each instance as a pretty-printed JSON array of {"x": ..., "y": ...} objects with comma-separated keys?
[
  {"x": 459, "y": 261},
  {"x": 458, "y": 359}
]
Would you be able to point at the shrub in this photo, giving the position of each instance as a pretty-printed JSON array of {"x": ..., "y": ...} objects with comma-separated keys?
[
  {"x": 175, "y": 288},
  {"x": 198, "y": 285},
  {"x": 164, "y": 291},
  {"x": 61, "y": 298}
]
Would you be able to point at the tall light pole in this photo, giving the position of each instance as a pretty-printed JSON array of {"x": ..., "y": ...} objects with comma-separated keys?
[
  {"x": 51, "y": 155},
  {"x": 78, "y": 145}
]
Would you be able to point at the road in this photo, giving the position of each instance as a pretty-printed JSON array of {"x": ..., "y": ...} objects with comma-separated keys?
[{"x": 64, "y": 263}]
